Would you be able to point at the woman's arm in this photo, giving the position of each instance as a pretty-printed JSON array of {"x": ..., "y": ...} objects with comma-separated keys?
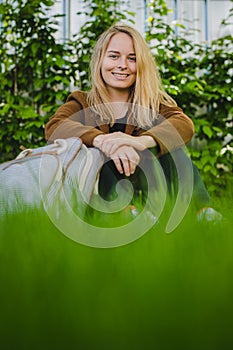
[
  {"x": 73, "y": 119},
  {"x": 174, "y": 129},
  {"x": 122, "y": 149},
  {"x": 109, "y": 143}
]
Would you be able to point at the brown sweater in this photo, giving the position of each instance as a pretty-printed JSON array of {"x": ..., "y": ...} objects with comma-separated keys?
[{"x": 173, "y": 128}]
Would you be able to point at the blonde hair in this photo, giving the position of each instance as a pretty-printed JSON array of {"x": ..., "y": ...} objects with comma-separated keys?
[{"x": 147, "y": 91}]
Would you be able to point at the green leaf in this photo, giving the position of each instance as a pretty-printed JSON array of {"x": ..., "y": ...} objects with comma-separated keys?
[{"x": 207, "y": 131}]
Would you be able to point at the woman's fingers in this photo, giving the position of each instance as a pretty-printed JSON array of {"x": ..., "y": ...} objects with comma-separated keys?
[
  {"x": 126, "y": 159},
  {"x": 118, "y": 165},
  {"x": 111, "y": 146},
  {"x": 121, "y": 149},
  {"x": 108, "y": 143}
]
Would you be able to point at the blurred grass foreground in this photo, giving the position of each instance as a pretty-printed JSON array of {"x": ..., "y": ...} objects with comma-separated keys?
[{"x": 163, "y": 291}]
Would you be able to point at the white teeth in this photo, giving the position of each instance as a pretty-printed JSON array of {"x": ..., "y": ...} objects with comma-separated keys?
[{"x": 120, "y": 75}]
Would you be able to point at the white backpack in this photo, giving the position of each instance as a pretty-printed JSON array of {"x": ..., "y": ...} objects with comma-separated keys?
[{"x": 63, "y": 171}]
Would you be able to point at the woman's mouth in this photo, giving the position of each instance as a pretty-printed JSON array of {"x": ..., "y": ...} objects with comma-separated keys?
[{"x": 120, "y": 76}]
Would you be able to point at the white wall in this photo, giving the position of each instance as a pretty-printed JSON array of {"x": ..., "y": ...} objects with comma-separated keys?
[
  {"x": 203, "y": 15},
  {"x": 206, "y": 16}
]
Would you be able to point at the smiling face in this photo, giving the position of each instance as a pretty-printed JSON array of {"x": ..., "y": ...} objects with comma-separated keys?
[{"x": 119, "y": 67}]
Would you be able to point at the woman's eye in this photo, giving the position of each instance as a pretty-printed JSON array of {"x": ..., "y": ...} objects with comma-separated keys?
[{"x": 114, "y": 57}]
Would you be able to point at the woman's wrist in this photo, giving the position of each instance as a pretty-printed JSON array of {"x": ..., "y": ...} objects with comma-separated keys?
[
  {"x": 148, "y": 141},
  {"x": 97, "y": 141}
]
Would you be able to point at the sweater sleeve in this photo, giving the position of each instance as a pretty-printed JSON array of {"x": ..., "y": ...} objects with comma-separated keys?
[
  {"x": 70, "y": 120},
  {"x": 173, "y": 129}
]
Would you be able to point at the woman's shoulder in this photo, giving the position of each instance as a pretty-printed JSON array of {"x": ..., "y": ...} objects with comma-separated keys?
[
  {"x": 79, "y": 96},
  {"x": 166, "y": 108}
]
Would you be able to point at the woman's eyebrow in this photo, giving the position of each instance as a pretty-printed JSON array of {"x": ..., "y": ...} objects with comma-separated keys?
[{"x": 114, "y": 51}]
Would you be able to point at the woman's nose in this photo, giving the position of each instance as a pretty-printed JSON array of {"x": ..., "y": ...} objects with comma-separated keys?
[{"x": 122, "y": 63}]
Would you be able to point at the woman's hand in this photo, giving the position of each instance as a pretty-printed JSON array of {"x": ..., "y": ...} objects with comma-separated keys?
[
  {"x": 126, "y": 159},
  {"x": 109, "y": 143}
]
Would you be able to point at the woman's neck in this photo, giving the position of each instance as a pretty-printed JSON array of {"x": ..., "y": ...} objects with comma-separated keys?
[
  {"x": 118, "y": 95},
  {"x": 119, "y": 109},
  {"x": 119, "y": 100}
]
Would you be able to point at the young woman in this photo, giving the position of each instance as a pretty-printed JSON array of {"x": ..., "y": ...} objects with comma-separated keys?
[{"x": 125, "y": 113}]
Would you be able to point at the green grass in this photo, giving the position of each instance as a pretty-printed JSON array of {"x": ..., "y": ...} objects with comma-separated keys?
[{"x": 160, "y": 292}]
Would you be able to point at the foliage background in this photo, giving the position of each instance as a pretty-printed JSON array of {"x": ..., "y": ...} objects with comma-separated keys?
[{"x": 36, "y": 74}]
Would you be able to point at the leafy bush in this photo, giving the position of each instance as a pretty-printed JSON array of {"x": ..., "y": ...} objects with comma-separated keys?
[
  {"x": 35, "y": 73},
  {"x": 198, "y": 77},
  {"x": 214, "y": 123}
]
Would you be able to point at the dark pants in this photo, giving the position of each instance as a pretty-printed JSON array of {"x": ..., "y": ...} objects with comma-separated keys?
[{"x": 176, "y": 168}]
